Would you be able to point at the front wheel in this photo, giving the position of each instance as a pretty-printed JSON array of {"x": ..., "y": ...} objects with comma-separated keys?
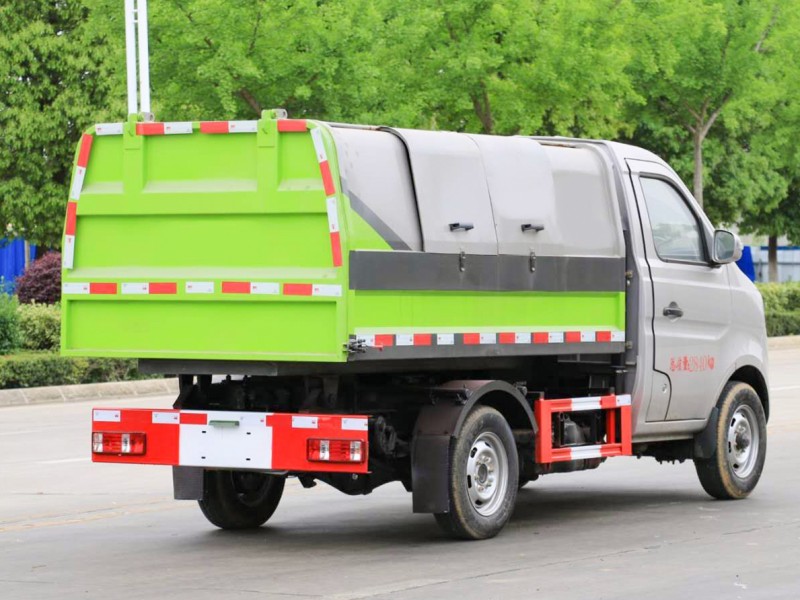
[
  {"x": 482, "y": 477},
  {"x": 741, "y": 445},
  {"x": 240, "y": 499}
]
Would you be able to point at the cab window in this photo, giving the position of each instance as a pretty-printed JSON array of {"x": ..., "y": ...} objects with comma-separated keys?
[{"x": 675, "y": 230}]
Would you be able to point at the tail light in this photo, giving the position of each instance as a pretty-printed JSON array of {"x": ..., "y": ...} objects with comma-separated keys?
[
  {"x": 118, "y": 443},
  {"x": 338, "y": 451}
]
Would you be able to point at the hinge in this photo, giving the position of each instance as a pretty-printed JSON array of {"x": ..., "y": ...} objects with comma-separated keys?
[
  {"x": 356, "y": 346},
  {"x": 532, "y": 263}
]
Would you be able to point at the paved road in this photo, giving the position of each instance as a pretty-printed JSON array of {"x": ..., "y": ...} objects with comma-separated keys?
[{"x": 631, "y": 529}]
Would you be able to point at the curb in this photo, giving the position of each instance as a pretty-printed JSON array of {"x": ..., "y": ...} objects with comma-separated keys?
[
  {"x": 785, "y": 342},
  {"x": 88, "y": 391}
]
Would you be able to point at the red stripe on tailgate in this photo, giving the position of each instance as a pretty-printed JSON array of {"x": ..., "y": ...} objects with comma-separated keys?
[
  {"x": 149, "y": 129},
  {"x": 235, "y": 287},
  {"x": 163, "y": 288},
  {"x": 85, "y": 150},
  {"x": 214, "y": 127},
  {"x": 336, "y": 249},
  {"x": 72, "y": 216},
  {"x": 292, "y": 125},
  {"x": 327, "y": 178},
  {"x": 102, "y": 288},
  {"x": 297, "y": 289}
]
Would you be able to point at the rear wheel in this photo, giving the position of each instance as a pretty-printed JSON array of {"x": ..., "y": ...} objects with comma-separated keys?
[
  {"x": 240, "y": 499},
  {"x": 483, "y": 477},
  {"x": 741, "y": 445}
]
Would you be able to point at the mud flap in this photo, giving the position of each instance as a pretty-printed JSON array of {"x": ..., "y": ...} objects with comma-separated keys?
[
  {"x": 187, "y": 483},
  {"x": 430, "y": 460}
]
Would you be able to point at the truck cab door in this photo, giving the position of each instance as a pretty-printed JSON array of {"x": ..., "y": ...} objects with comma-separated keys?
[{"x": 691, "y": 295}]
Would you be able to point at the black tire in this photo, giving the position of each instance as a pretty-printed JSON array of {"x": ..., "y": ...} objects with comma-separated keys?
[
  {"x": 486, "y": 439},
  {"x": 727, "y": 475},
  {"x": 240, "y": 499}
]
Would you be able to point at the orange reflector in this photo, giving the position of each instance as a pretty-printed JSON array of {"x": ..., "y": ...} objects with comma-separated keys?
[
  {"x": 339, "y": 451},
  {"x": 118, "y": 443}
]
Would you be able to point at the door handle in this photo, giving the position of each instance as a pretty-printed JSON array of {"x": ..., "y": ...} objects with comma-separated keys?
[
  {"x": 673, "y": 311},
  {"x": 535, "y": 227},
  {"x": 461, "y": 226}
]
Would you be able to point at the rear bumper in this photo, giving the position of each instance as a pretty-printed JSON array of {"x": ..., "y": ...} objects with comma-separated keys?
[{"x": 233, "y": 440}]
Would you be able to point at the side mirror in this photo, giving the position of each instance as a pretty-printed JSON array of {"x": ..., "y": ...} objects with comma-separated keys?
[{"x": 727, "y": 247}]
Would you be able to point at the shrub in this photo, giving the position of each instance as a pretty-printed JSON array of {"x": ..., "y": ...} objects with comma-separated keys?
[
  {"x": 40, "y": 326},
  {"x": 9, "y": 324},
  {"x": 783, "y": 323},
  {"x": 41, "y": 282},
  {"x": 34, "y": 370}
]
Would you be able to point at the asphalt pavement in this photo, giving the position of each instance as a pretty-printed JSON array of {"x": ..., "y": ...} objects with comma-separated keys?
[{"x": 632, "y": 529}]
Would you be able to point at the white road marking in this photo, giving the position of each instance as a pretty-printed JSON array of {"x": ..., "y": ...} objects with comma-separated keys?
[{"x": 60, "y": 461}]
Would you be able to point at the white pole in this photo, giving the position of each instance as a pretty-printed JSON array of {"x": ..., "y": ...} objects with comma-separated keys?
[
  {"x": 130, "y": 56},
  {"x": 144, "y": 57}
]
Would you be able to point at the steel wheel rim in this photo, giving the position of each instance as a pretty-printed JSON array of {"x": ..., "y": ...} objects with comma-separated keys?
[
  {"x": 487, "y": 474},
  {"x": 742, "y": 441}
]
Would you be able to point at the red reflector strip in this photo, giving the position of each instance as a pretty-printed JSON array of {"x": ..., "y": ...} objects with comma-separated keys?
[
  {"x": 292, "y": 125},
  {"x": 213, "y": 127},
  {"x": 102, "y": 288},
  {"x": 572, "y": 337},
  {"x": 603, "y": 336},
  {"x": 150, "y": 129},
  {"x": 163, "y": 288},
  {"x": 188, "y": 418},
  {"x": 471, "y": 339},
  {"x": 327, "y": 178},
  {"x": 507, "y": 338},
  {"x": 85, "y": 150},
  {"x": 72, "y": 215},
  {"x": 541, "y": 338},
  {"x": 297, "y": 289},
  {"x": 336, "y": 249},
  {"x": 422, "y": 339},
  {"x": 382, "y": 340},
  {"x": 235, "y": 287}
]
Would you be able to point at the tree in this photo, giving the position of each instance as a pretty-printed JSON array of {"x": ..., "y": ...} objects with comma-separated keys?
[
  {"x": 55, "y": 82},
  {"x": 705, "y": 57}
]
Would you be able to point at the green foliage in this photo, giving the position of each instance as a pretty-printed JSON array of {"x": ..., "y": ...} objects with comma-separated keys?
[
  {"x": 781, "y": 307},
  {"x": 9, "y": 324},
  {"x": 40, "y": 326},
  {"x": 783, "y": 323},
  {"x": 34, "y": 370}
]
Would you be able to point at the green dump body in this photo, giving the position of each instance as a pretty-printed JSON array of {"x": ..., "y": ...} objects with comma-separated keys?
[{"x": 236, "y": 241}]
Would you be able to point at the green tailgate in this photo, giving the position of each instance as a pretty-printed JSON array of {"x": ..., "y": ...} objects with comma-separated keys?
[{"x": 215, "y": 242}]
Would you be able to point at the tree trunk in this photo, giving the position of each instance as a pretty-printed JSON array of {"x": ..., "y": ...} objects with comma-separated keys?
[
  {"x": 772, "y": 257},
  {"x": 697, "y": 139}
]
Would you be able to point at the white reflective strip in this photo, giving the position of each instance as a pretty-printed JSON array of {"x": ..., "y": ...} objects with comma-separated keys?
[
  {"x": 68, "y": 252},
  {"x": 333, "y": 215},
  {"x": 242, "y": 126},
  {"x": 135, "y": 288},
  {"x": 199, "y": 287},
  {"x": 108, "y": 129},
  {"x": 590, "y": 403},
  {"x": 349, "y": 424},
  {"x": 588, "y": 336},
  {"x": 488, "y": 338},
  {"x": 445, "y": 339},
  {"x": 178, "y": 127},
  {"x": 624, "y": 400},
  {"x": 326, "y": 290},
  {"x": 166, "y": 418},
  {"x": 617, "y": 336},
  {"x": 522, "y": 338},
  {"x": 105, "y": 416},
  {"x": 555, "y": 337},
  {"x": 75, "y": 288},
  {"x": 265, "y": 288},
  {"x": 404, "y": 339},
  {"x": 369, "y": 340},
  {"x": 77, "y": 183},
  {"x": 304, "y": 422},
  {"x": 581, "y": 452},
  {"x": 319, "y": 147}
]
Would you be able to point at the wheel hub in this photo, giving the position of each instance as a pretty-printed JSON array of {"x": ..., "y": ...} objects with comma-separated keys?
[
  {"x": 487, "y": 474},
  {"x": 743, "y": 441}
]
